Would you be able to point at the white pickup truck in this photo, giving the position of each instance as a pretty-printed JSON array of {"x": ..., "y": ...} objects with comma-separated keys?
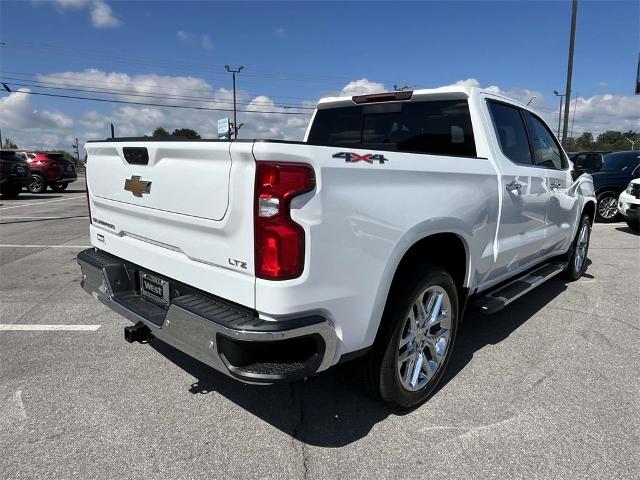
[{"x": 273, "y": 260}]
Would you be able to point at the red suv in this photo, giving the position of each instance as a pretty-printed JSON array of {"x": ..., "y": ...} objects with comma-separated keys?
[{"x": 49, "y": 169}]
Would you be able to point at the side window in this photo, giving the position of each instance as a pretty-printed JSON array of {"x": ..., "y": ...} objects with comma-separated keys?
[
  {"x": 546, "y": 151},
  {"x": 511, "y": 133},
  {"x": 632, "y": 161}
]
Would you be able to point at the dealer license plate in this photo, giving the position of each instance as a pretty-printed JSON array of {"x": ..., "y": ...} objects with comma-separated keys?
[{"x": 154, "y": 288}]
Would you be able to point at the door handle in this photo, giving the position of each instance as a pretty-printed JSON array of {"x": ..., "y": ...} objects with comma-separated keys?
[
  {"x": 555, "y": 185},
  {"x": 513, "y": 187}
]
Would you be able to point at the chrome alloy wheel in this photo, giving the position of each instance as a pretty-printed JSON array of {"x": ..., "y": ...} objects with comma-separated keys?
[
  {"x": 608, "y": 207},
  {"x": 424, "y": 341},
  {"x": 581, "y": 247}
]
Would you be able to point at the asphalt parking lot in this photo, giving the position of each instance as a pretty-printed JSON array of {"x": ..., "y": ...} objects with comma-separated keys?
[{"x": 548, "y": 388}]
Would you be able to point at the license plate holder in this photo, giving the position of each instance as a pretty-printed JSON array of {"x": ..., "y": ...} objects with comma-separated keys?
[{"x": 154, "y": 288}]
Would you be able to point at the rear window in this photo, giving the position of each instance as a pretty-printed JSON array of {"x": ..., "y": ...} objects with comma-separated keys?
[
  {"x": 620, "y": 161},
  {"x": 441, "y": 127},
  {"x": 9, "y": 156}
]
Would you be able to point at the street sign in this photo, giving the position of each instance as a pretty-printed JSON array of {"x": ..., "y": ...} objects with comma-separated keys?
[{"x": 223, "y": 128}]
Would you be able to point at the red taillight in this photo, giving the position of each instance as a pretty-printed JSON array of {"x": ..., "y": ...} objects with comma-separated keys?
[{"x": 279, "y": 241}]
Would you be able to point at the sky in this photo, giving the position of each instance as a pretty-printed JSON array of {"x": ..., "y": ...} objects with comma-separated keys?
[{"x": 293, "y": 53}]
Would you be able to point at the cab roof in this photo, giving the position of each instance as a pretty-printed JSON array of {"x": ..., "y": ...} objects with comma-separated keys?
[{"x": 450, "y": 91}]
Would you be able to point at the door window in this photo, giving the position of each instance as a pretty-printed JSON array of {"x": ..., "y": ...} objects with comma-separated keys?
[
  {"x": 546, "y": 150},
  {"x": 511, "y": 133}
]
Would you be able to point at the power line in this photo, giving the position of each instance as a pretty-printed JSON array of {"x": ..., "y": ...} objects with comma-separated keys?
[
  {"x": 159, "y": 104},
  {"x": 129, "y": 93},
  {"x": 145, "y": 85}
]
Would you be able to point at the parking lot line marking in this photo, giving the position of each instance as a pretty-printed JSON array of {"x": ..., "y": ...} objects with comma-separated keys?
[
  {"x": 44, "y": 328},
  {"x": 45, "y": 246},
  {"x": 42, "y": 203}
]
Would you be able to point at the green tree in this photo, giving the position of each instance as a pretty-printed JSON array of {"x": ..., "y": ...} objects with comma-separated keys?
[
  {"x": 585, "y": 141},
  {"x": 160, "y": 132},
  {"x": 9, "y": 144},
  {"x": 185, "y": 132}
]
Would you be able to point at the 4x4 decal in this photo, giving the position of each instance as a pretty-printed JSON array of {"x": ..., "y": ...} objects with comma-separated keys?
[{"x": 352, "y": 157}]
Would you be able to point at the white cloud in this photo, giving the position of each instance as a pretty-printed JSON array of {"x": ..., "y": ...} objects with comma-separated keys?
[
  {"x": 46, "y": 128},
  {"x": 30, "y": 127},
  {"x": 361, "y": 87},
  {"x": 279, "y": 32},
  {"x": 191, "y": 38},
  {"x": 101, "y": 14}
]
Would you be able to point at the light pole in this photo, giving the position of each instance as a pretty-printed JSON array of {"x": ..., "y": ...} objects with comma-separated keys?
[
  {"x": 559, "y": 111},
  {"x": 235, "y": 120},
  {"x": 567, "y": 92}
]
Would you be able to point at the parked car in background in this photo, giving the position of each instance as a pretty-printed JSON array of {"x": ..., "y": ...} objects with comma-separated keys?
[
  {"x": 618, "y": 169},
  {"x": 49, "y": 170},
  {"x": 586, "y": 162},
  {"x": 629, "y": 205},
  {"x": 14, "y": 174}
]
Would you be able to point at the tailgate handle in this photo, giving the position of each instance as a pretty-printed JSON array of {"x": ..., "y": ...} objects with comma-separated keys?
[{"x": 136, "y": 155}]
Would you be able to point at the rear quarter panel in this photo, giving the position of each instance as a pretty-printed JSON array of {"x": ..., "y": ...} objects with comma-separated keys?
[{"x": 361, "y": 219}]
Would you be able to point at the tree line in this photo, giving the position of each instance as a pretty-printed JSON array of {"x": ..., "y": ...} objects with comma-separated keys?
[{"x": 609, "y": 141}]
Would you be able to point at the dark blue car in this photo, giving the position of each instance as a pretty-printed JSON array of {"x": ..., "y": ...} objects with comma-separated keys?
[{"x": 618, "y": 169}]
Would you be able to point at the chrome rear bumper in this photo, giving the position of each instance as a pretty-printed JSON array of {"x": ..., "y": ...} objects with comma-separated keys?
[{"x": 230, "y": 338}]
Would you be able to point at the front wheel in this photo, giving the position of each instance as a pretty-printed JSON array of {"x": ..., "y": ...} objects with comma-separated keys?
[
  {"x": 59, "y": 187},
  {"x": 577, "y": 258},
  {"x": 38, "y": 184},
  {"x": 418, "y": 331},
  {"x": 607, "y": 210}
]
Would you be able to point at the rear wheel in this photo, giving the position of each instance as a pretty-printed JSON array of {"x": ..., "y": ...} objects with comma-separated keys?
[
  {"x": 577, "y": 258},
  {"x": 38, "y": 185},
  {"x": 633, "y": 225},
  {"x": 607, "y": 210},
  {"x": 418, "y": 331},
  {"x": 10, "y": 191},
  {"x": 59, "y": 187}
]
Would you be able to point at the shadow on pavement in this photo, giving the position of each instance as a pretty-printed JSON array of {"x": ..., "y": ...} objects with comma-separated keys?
[
  {"x": 627, "y": 230},
  {"x": 330, "y": 410},
  {"x": 27, "y": 196},
  {"x": 53, "y": 219}
]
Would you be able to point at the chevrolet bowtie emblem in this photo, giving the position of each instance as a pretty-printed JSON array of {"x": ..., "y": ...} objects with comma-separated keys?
[{"x": 137, "y": 186}]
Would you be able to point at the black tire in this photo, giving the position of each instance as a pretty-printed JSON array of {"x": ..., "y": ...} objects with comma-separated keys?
[
  {"x": 607, "y": 207},
  {"x": 576, "y": 268},
  {"x": 38, "y": 185},
  {"x": 10, "y": 191},
  {"x": 633, "y": 225},
  {"x": 59, "y": 187},
  {"x": 382, "y": 368}
]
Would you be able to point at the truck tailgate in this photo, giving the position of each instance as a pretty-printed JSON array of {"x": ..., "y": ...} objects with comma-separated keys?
[{"x": 186, "y": 214}]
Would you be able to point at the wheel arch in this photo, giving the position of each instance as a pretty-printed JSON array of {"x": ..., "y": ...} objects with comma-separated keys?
[
  {"x": 590, "y": 209},
  {"x": 423, "y": 249}
]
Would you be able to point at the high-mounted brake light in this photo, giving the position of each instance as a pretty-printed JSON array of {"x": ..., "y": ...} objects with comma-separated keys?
[
  {"x": 279, "y": 241},
  {"x": 383, "y": 97}
]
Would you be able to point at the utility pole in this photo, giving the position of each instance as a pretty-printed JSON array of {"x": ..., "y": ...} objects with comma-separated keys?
[
  {"x": 559, "y": 111},
  {"x": 0, "y": 138},
  {"x": 235, "y": 119},
  {"x": 77, "y": 151},
  {"x": 567, "y": 93}
]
